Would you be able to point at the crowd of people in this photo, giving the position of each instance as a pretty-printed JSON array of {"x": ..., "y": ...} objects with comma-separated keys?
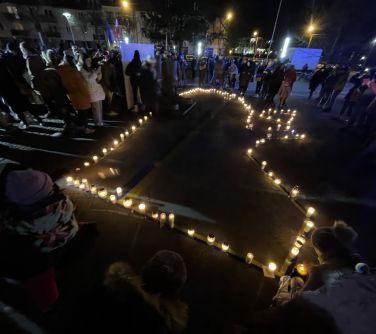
[
  {"x": 272, "y": 78},
  {"x": 72, "y": 84},
  {"x": 359, "y": 107}
]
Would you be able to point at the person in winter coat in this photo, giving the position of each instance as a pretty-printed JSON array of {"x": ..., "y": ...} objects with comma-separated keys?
[
  {"x": 122, "y": 301},
  {"x": 283, "y": 93},
  {"x": 11, "y": 93},
  {"x": 316, "y": 80},
  {"x": 333, "y": 246},
  {"x": 77, "y": 90},
  {"x": 34, "y": 64},
  {"x": 37, "y": 219},
  {"x": 134, "y": 70},
  {"x": 290, "y": 75},
  {"x": 259, "y": 75},
  {"x": 275, "y": 82},
  {"x": 342, "y": 77},
  {"x": 53, "y": 91},
  {"x": 233, "y": 72},
  {"x": 328, "y": 86},
  {"x": 93, "y": 76},
  {"x": 202, "y": 72},
  {"x": 246, "y": 74},
  {"x": 219, "y": 71},
  {"x": 352, "y": 98},
  {"x": 149, "y": 86}
]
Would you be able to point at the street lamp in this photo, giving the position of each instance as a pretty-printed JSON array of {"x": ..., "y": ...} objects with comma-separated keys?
[
  {"x": 255, "y": 33},
  {"x": 68, "y": 16},
  {"x": 125, "y": 4},
  {"x": 229, "y": 16},
  {"x": 310, "y": 30}
]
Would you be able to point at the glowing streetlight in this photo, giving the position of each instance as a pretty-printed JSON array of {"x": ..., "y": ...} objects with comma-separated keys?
[
  {"x": 229, "y": 16},
  {"x": 255, "y": 33},
  {"x": 311, "y": 29},
  {"x": 125, "y": 4},
  {"x": 285, "y": 47}
]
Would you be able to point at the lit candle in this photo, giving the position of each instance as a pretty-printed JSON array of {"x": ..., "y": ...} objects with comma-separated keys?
[
  {"x": 263, "y": 165},
  {"x": 211, "y": 239},
  {"x": 122, "y": 136},
  {"x": 269, "y": 136},
  {"x": 272, "y": 266},
  {"x": 191, "y": 232},
  {"x": 310, "y": 211},
  {"x": 300, "y": 241},
  {"x": 69, "y": 179},
  {"x": 82, "y": 186},
  {"x": 127, "y": 133},
  {"x": 249, "y": 151},
  {"x": 142, "y": 206},
  {"x": 155, "y": 215},
  {"x": 163, "y": 217},
  {"x": 84, "y": 181},
  {"x": 133, "y": 128},
  {"x": 270, "y": 129},
  {"x": 249, "y": 258},
  {"x": 308, "y": 225},
  {"x": 113, "y": 198},
  {"x": 257, "y": 143},
  {"x": 294, "y": 251},
  {"x": 271, "y": 174},
  {"x": 116, "y": 143},
  {"x": 277, "y": 182},
  {"x": 93, "y": 189},
  {"x": 86, "y": 164},
  {"x": 127, "y": 203},
  {"x": 77, "y": 183},
  {"x": 278, "y": 127},
  {"x": 140, "y": 121},
  {"x": 119, "y": 191},
  {"x": 171, "y": 220},
  {"x": 302, "y": 136},
  {"x": 294, "y": 192},
  {"x": 111, "y": 148},
  {"x": 145, "y": 118},
  {"x": 95, "y": 158},
  {"x": 102, "y": 193},
  {"x": 104, "y": 151},
  {"x": 286, "y": 137},
  {"x": 262, "y": 141},
  {"x": 225, "y": 246}
]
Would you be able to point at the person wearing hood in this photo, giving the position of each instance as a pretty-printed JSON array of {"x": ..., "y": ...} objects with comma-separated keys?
[
  {"x": 339, "y": 85},
  {"x": 232, "y": 72},
  {"x": 134, "y": 70},
  {"x": 77, "y": 90},
  {"x": 219, "y": 71},
  {"x": 93, "y": 76}
]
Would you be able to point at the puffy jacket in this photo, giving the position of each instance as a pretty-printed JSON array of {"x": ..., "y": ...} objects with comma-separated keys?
[{"x": 76, "y": 86}]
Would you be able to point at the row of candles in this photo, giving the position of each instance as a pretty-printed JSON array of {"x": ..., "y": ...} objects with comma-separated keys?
[
  {"x": 117, "y": 197},
  {"x": 292, "y": 191}
]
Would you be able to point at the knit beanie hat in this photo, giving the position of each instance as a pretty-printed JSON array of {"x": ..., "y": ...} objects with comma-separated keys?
[
  {"x": 330, "y": 240},
  {"x": 27, "y": 187},
  {"x": 165, "y": 273}
]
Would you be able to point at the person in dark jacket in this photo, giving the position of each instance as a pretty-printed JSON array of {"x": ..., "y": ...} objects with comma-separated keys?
[
  {"x": 259, "y": 75},
  {"x": 275, "y": 82},
  {"x": 149, "y": 87},
  {"x": 247, "y": 71},
  {"x": 328, "y": 86},
  {"x": 316, "y": 80},
  {"x": 134, "y": 70}
]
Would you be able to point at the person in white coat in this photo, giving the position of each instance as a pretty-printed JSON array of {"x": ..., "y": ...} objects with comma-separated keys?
[{"x": 97, "y": 94}]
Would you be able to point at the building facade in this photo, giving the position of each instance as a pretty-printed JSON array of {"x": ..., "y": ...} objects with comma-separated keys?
[{"x": 49, "y": 26}]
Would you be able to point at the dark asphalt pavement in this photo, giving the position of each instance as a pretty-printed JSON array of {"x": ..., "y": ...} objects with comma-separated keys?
[{"x": 196, "y": 167}]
